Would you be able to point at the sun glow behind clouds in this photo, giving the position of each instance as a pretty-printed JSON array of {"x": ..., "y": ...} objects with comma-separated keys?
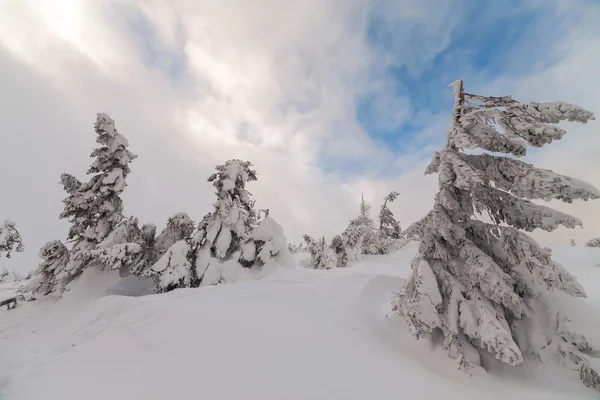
[{"x": 306, "y": 90}]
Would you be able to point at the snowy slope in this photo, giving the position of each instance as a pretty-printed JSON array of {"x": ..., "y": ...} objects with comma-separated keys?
[{"x": 298, "y": 334}]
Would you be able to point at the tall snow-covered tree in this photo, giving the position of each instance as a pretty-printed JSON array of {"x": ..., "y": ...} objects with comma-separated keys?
[
  {"x": 388, "y": 226},
  {"x": 95, "y": 208},
  {"x": 487, "y": 286},
  {"x": 10, "y": 239}
]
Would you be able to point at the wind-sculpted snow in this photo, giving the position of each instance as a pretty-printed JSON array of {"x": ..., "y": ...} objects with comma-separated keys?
[{"x": 295, "y": 334}]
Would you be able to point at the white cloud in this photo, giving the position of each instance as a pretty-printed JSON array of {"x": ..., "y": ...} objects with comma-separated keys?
[{"x": 193, "y": 83}]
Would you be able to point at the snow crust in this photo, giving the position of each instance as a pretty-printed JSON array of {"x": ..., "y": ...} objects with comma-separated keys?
[{"x": 295, "y": 334}]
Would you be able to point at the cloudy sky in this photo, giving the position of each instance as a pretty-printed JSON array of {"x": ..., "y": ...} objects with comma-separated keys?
[{"x": 328, "y": 98}]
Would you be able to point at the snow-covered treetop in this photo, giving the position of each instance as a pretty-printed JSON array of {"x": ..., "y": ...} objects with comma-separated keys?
[
  {"x": 365, "y": 212},
  {"x": 179, "y": 227},
  {"x": 232, "y": 176},
  {"x": 113, "y": 152},
  {"x": 503, "y": 125},
  {"x": 10, "y": 239},
  {"x": 391, "y": 197}
]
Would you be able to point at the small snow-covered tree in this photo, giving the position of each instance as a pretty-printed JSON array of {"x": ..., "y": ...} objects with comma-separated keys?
[
  {"x": 95, "y": 208},
  {"x": 486, "y": 285},
  {"x": 55, "y": 256},
  {"x": 388, "y": 226},
  {"x": 321, "y": 255},
  {"x": 179, "y": 227},
  {"x": 267, "y": 245},
  {"x": 339, "y": 248},
  {"x": 593, "y": 242},
  {"x": 10, "y": 239},
  {"x": 573, "y": 242},
  {"x": 211, "y": 254},
  {"x": 234, "y": 215}
]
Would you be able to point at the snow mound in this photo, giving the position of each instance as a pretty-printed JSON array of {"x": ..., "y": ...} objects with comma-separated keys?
[{"x": 295, "y": 334}]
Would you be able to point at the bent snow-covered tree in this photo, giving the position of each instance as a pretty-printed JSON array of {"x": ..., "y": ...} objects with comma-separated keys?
[
  {"x": 95, "y": 208},
  {"x": 486, "y": 285},
  {"x": 388, "y": 226},
  {"x": 10, "y": 239}
]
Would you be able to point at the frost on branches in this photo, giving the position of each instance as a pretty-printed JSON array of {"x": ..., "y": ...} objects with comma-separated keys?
[
  {"x": 486, "y": 285},
  {"x": 266, "y": 247},
  {"x": 127, "y": 249},
  {"x": 388, "y": 226},
  {"x": 321, "y": 255},
  {"x": 95, "y": 208},
  {"x": 10, "y": 239},
  {"x": 593, "y": 243}
]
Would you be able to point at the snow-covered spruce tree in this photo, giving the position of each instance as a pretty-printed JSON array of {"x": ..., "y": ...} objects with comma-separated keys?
[
  {"x": 321, "y": 255},
  {"x": 179, "y": 227},
  {"x": 593, "y": 242},
  {"x": 486, "y": 285},
  {"x": 95, "y": 208},
  {"x": 10, "y": 239},
  {"x": 388, "y": 226},
  {"x": 234, "y": 215},
  {"x": 55, "y": 256},
  {"x": 218, "y": 237}
]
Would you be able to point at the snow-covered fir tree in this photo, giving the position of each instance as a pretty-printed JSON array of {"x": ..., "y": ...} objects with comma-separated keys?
[
  {"x": 179, "y": 227},
  {"x": 488, "y": 287},
  {"x": 593, "y": 242},
  {"x": 234, "y": 215},
  {"x": 95, "y": 208},
  {"x": 55, "y": 256},
  {"x": 10, "y": 239},
  {"x": 388, "y": 226},
  {"x": 321, "y": 255},
  {"x": 213, "y": 254},
  {"x": 339, "y": 248}
]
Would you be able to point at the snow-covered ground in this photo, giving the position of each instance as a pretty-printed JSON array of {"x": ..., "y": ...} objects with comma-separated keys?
[{"x": 297, "y": 334}]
